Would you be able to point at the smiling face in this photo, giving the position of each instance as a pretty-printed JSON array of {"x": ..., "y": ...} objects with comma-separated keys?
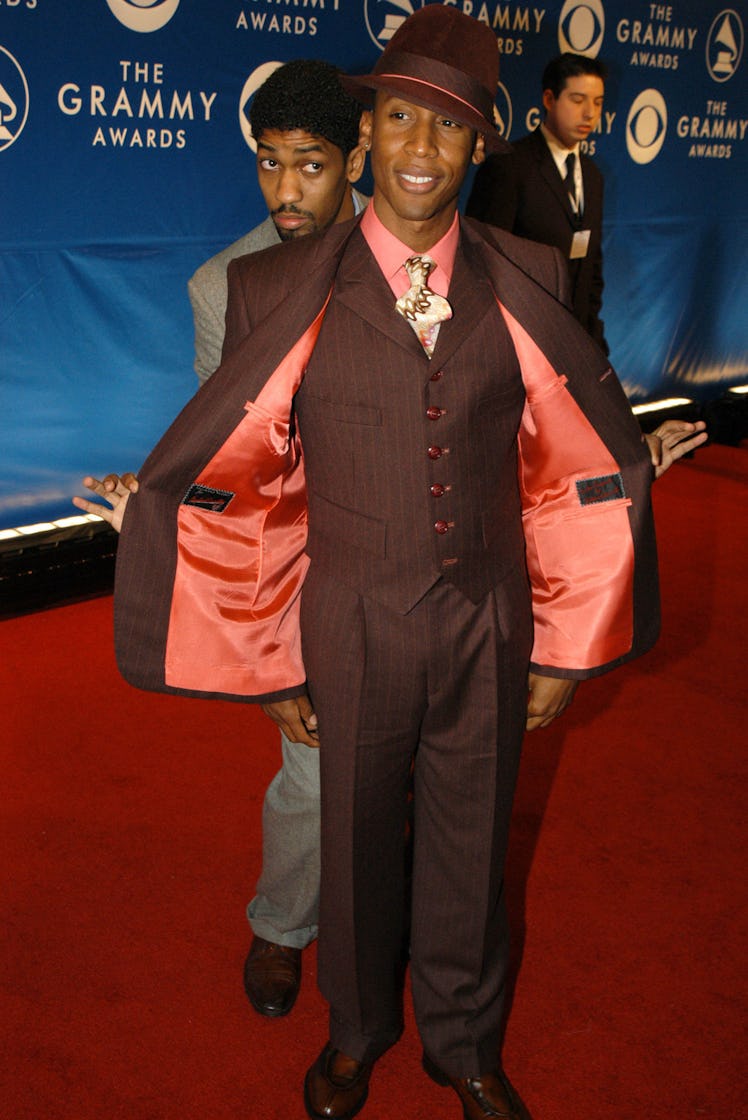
[
  {"x": 305, "y": 181},
  {"x": 418, "y": 160},
  {"x": 576, "y": 111}
]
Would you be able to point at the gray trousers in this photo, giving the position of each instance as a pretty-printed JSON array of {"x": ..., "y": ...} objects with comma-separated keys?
[{"x": 285, "y": 908}]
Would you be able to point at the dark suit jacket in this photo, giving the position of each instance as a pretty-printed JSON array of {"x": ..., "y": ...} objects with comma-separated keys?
[
  {"x": 212, "y": 555},
  {"x": 522, "y": 192}
]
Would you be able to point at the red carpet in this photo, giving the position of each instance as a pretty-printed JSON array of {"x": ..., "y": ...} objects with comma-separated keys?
[{"x": 131, "y": 845}]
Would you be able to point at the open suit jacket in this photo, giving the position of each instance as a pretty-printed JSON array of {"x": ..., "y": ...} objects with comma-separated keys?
[
  {"x": 207, "y": 289},
  {"x": 523, "y": 192},
  {"x": 317, "y": 442},
  {"x": 216, "y": 543},
  {"x": 208, "y": 292}
]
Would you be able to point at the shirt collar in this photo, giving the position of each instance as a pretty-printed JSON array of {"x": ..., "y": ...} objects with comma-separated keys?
[
  {"x": 390, "y": 253},
  {"x": 557, "y": 150}
]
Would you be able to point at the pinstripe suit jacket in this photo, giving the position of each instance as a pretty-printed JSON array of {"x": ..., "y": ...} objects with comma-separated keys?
[
  {"x": 208, "y": 291},
  {"x": 212, "y": 555}
]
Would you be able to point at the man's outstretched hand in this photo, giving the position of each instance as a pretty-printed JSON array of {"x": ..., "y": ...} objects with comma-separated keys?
[
  {"x": 115, "y": 490},
  {"x": 672, "y": 440}
]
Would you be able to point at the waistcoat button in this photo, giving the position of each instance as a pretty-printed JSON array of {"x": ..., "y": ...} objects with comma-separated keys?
[
  {"x": 435, "y": 453},
  {"x": 437, "y": 489},
  {"x": 441, "y": 526}
]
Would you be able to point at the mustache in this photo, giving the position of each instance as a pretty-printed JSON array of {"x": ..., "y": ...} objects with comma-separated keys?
[{"x": 297, "y": 213}]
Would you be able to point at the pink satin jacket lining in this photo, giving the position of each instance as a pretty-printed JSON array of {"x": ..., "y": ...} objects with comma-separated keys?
[
  {"x": 580, "y": 558},
  {"x": 234, "y": 623}
]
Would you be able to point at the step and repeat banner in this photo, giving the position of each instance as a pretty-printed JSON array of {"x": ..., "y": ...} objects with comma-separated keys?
[{"x": 125, "y": 162}]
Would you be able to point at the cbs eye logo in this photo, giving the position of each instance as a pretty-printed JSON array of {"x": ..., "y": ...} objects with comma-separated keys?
[
  {"x": 257, "y": 78},
  {"x": 581, "y": 27},
  {"x": 143, "y": 15},
  {"x": 646, "y": 126}
]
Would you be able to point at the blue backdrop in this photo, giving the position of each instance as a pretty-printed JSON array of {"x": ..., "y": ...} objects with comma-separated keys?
[{"x": 125, "y": 164}]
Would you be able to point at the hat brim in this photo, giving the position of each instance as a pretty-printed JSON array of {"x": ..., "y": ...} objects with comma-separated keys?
[{"x": 363, "y": 88}]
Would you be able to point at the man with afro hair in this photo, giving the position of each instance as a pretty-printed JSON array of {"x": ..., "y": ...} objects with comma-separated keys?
[{"x": 306, "y": 131}]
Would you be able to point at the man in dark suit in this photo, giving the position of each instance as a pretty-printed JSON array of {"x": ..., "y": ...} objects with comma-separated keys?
[
  {"x": 341, "y": 526},
  {"x": 547, "y": 189}
]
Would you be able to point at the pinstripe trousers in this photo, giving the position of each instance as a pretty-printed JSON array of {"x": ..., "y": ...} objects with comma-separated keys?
[{"x": 443, "y": 687}]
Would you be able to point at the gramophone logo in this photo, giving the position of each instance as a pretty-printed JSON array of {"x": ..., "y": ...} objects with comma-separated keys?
[
  {"x": 143, "y": 15},
  {"x": 383, "y": 17},
  {"x": 502, "y": 112},
  {"x": 581, "y": 27},
  {"x": 724, "y": 45},
  {"x": 257, "y": 78},
  {"x": 14, "y": 99},
  {"x": 646, "y": 126}
]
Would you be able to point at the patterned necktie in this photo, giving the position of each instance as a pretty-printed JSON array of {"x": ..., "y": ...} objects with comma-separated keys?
[{"x": 420, "y": 306}]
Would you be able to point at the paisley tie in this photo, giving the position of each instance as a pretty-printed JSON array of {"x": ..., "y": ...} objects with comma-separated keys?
[{"x": 422, "y": 307}]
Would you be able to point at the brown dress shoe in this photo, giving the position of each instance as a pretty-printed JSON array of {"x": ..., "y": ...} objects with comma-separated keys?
[
  {"x": 272, "y": 974},
  {"x": 491, "y": 1095},
  {"x": 336, "y": 1086}
]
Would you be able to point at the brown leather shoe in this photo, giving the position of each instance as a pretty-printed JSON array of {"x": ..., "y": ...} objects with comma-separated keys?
[
  {"x": 272, "y": 974},
  {"x": 491, "y": 1095},
  {"x": 336, "y": 1086}
]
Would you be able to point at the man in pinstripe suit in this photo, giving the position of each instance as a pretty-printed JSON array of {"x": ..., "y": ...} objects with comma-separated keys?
[{"x": 397, "y": 616}]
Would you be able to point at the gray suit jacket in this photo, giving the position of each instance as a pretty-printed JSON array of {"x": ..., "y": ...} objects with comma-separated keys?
[{"x": 208, "y": 291}]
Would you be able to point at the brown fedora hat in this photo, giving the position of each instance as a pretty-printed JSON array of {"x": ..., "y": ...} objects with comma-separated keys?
[{"x": 445, "y": 61}]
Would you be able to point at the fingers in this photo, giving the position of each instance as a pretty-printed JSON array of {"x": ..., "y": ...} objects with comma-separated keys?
[
  {"x": 549, "y": 697},
  {"x": 119, "y": 484},
  {"x": 296, "y": 719},
  {"x": 676, "y": 429},
  {"x": 96, "y": 508},
  {"x": 677, "y": 438},
  {"x": 115, "y": 483},
  {"x": 113, "y": 492},
  {"x": 677, "y": 435},
  {"x": 101, "y": 488},
  {"x": 308, "y": 717},
  {"x": 682, "y": 446}
]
